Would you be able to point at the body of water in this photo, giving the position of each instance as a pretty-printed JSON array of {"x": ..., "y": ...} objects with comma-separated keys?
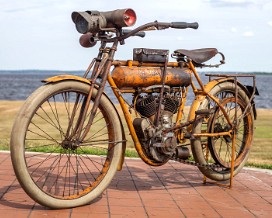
[{"x": 19, "y": 85}]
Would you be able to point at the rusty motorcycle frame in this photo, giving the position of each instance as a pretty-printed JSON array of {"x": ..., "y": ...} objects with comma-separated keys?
[{"x": 68, "y": 139}]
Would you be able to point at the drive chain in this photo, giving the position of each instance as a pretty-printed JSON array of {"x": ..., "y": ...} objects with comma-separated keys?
[{"x": 193, "y": 163}]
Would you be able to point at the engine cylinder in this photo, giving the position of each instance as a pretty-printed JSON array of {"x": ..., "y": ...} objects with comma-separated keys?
[
  {"x": 147, "y": 76},
  {"x": 170, "y": 105},
  {"x": 146, "y": 106}
]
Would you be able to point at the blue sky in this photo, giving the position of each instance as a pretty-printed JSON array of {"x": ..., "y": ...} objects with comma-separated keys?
[{"x": 39, "y": 34}]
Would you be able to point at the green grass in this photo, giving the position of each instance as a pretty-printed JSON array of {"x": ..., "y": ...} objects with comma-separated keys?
[
  {"x": 260, "y": 155},
  {"x": 259, "y": 165},
  {"x": 131, "y": 153},
  {"x": 92, "y": 151},
  {"x": 88, "y": 151},
  {"x": 263, "y": 130},
  {"x": 4, "y": 144}
]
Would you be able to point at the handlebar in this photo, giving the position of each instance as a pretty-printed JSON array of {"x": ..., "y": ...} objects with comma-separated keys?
[
  {"x": 151, "y": 26},
  {"x": 184, "y": 25}
]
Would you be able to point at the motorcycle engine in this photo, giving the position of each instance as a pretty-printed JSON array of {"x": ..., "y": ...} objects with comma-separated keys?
[{"x": 157, "y": 144}]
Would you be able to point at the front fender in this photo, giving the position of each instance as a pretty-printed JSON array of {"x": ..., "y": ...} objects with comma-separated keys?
[
  {"x": 65, "y": 77},
  {"x": 60, "y": 78}
]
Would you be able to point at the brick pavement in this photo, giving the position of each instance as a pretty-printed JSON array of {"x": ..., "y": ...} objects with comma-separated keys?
[{"x": 173, "y": 190}]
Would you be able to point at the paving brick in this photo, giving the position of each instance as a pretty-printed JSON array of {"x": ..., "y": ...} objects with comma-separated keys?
[
  {"x": 113, "y": 193},
  {"x": 122, "y": 211},
  {"x": 264, "y": 193},
  {"x": 235, "y": 212},
  {"x": 155, "y": 196},
  {"x": 268, "y": 199},
  {"x": 200, "y": 213},
  {"x": 88, "y": 215},
  {"x": 91, "y": 209},
  {"x": 15, "y": 213},
  {"x": 160, "y": 203},
  {"x": 262, "y": 213},
  {"x": 189, "y": 190},
  {"x": 173, "y": 190},
  {"x": 189, "y": 204},
  {"x": 259, "y": 205},
  {"x": 156, "y": 190},
  {"x": 125, "y": 202},
  {"x": 164, "y": 212},
  {"x": 226, "y": 205},
  {"x": 50, "y": 213}
]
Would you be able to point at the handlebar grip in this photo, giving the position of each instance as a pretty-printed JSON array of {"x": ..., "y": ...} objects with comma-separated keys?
[
  {"x": 184, "y": 25},
  {"x": 140, "y": 34}
]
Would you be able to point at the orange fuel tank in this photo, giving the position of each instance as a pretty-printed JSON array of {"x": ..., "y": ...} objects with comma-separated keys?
[{"x": 125, "y": 76}]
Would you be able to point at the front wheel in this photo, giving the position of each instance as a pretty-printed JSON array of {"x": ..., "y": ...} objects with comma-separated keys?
[
  {"x": 217, "y": 151},
  {"x": 52, "y": 166}
]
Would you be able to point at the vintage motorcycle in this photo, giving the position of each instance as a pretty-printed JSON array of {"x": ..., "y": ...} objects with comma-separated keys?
[{"x": 68, "y": 139}]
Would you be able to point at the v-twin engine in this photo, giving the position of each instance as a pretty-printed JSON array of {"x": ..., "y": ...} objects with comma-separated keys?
[
  {"x": 147, "y": 106},
  {"x": 156, "y": 143}
]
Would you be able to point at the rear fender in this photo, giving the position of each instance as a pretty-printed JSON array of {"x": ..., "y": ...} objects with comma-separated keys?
[
  {"x": 61, "y": 78},
  {"x": 199, "y": 98}
]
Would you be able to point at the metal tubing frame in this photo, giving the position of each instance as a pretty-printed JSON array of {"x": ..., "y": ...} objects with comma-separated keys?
[
  {"x": 202, "y": 91},
  {"x": 128, "y": 119},
  {"x": 103, "y": 64}
]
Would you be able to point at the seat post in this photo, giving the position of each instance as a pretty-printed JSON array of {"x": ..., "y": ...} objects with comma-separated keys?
[{"x": 191, "y": 66}]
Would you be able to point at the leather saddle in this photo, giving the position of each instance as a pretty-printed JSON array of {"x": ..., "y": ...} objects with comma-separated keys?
[{"x": 198, "y": 56}]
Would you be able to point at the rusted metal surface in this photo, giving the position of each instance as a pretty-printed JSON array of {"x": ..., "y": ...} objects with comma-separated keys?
[
  {"x": 131, "y": 63},
  {"x": 147, "y": 76},
  {"x": 135, "y": 76},
  {"x": 129, "y": 121},
  {"x": 251, "y": 93},
  {"x": 65, "y": 77},
  {"x": 159, "y": 91},
  {"x": 212, "y": 134},
  {"x": 150, "y": 55}
]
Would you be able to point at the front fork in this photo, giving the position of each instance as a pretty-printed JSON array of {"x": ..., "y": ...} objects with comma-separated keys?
[{"x": 101, "y": 70}]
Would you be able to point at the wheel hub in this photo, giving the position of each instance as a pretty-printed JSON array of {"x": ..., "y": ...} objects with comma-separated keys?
[
  {"x": 219, "y": 128},
  {"x": 68, "y": 144}
]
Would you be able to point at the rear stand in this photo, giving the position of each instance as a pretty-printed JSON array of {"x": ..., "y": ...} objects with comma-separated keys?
[
  {"x": 252, "y": 91},
  {"x": 231, "y": 170}
]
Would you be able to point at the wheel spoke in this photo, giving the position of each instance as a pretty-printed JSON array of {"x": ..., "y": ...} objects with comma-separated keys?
[
  {"x": 222, "y": 152},
  {"x": 58, "y": 164}
]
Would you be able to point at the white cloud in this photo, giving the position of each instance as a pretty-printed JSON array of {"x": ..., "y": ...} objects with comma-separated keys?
[
  {"x": 44, "y": 37},
  {"x": 248, "y": 34},
  {"x": 179, "y": 38},
  {"x": 233, "y": 29},
  {"x": 238, "y": 3}
]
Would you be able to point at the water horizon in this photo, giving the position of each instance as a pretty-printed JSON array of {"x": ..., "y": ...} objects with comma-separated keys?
[{"x": 19, "y": 84}]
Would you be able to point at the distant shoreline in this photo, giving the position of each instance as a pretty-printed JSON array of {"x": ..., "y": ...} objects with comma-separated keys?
[
  {"x": 33, "y": 71},
  {"x": 18, "y": 85}
]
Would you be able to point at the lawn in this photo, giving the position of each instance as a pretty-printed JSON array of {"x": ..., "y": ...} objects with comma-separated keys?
[{"x": 260, "y": 156}]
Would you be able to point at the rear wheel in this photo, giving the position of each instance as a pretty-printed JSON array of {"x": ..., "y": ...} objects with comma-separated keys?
[
  {"x": 218, "y": 150},
  {"x": 53, "y": 167}
]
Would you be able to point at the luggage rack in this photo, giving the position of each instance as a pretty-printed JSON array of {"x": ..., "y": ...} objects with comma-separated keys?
[{"x": 251, "y": 89}]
